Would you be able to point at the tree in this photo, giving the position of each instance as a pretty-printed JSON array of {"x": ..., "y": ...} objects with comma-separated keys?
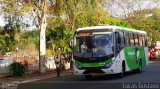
[
  {"x": 38, "y": 7},
  {"x": 84, "y": 13}
]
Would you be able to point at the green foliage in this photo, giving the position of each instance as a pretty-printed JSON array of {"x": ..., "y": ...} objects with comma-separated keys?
[
  {"x": 58, "y": 36},
  {"x": 10, "y": 30},
  {"x": 17, "y": 69},
  {"x": 90, "y": 15},
  {"x": 68, "y": 50},
  {"x": 148, "y": 20},
  {"x": 2, "y": 42},
  {"x": 120, "y": 23},
  {"x": 49, "y": 53}
]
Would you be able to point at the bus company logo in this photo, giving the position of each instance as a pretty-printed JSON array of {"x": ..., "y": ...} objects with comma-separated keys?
[{"x": 131, "y": 53}]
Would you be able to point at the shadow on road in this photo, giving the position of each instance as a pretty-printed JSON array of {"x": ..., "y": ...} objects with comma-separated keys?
[{"x": 110, "y": 76}]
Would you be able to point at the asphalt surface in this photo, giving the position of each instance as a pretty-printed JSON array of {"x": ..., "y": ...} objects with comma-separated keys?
[{"x": 149, "y": 78}]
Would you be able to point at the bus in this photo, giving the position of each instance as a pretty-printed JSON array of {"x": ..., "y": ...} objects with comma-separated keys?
[{"x": 109, "y": 50}]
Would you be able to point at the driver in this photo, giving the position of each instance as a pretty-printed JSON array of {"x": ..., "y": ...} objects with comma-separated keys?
[{"x": 84, "y": 47}]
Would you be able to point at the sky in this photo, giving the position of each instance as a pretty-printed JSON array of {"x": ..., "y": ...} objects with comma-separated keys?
[
  {"x": 2, "y": 22},
  {"x": 118, "y": 7},
  {"x": 27, "y": 19}
]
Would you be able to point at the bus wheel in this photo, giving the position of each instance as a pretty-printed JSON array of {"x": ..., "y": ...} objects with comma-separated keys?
[
  {"x": 122, "y": 74},
  {"x": 88, "y": 77},
  {"x": 140, "y": 66}
]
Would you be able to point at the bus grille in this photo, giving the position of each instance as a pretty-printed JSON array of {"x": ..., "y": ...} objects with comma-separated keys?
[{"x": 91, "y": 71}]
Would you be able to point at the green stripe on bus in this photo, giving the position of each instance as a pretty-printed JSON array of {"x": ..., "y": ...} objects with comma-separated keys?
[{"x": 96, "y": 64}]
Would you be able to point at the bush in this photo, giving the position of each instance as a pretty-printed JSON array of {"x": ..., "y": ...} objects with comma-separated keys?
[{"x": 17, "y": 69}]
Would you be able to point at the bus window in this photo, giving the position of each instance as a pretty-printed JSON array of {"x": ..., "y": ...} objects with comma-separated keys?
[
  {"x": 118, "y": 41},
  {"x": 140, "y": 40},
  {"x": 131, "y": 39},
  {"x": 103, "y": 44},
  {"x": 127, "y": 39},
  {"x": 83, "y": 45},
  {"x": 146, "y": 40},
  {"x": 143, "y": 40},
  {"x": 78, "y": 46},
  {"x": 122, "y": 39},
  {"x": 96, "y": 45},
  {"x": 136, "y": 39}
]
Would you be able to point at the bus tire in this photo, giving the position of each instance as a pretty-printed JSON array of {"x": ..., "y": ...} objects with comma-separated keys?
[
  {"x": 122, "y": 74},
  {"x": 88, "y": 77},
  {"x": 140, "y": 66}
]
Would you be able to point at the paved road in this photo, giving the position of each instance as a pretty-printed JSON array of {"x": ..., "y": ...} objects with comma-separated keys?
[{"x": 150, "y": 76}]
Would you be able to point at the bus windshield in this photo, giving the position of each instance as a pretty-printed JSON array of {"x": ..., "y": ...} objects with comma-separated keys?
[{"x": 93, "y": 46}]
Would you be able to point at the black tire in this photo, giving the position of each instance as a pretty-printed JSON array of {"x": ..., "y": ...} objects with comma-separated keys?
[
  {"x": 122, "y": 74},
  {"x": 88, "y": 77},
  {"x": 140, "y": 67}
]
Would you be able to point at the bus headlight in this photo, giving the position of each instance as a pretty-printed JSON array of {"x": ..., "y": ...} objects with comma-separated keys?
[
  {"x": 109, "y": 65},
  {"x": 78, "y": 66}
]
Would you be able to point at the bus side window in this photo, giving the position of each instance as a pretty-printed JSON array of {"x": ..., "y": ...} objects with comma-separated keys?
[
  {"x": 131, "y": 38},
  {"x": 122, "y": 39},
  {"x": 140, "y": 40},
  {"x": 118, "y": 41},
  {"x": 136, "y": 39},
  {"x": 146, "y": 41},
  {"x": 143, "y": 40},
  {"x": 128, "y": 39}
]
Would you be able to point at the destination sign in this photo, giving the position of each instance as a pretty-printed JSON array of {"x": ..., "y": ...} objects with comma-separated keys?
[{"x": 84, "y": 34}]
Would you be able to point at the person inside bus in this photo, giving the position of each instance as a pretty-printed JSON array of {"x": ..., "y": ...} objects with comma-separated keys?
[{"x": 84, "y": 47}]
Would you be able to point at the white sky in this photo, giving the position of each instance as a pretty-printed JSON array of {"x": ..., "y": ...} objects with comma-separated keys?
[
  {"x": 120, "y": 8},
  {"x": 2, "y": 20}
]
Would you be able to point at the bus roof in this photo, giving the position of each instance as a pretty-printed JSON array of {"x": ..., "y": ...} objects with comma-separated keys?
[{"x": 114, "y": 28}]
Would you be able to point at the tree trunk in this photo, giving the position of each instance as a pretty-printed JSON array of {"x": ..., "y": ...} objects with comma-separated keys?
[{"x": 42, "y": 45}]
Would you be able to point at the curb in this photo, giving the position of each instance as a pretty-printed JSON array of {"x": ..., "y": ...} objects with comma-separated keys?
[
  {"x": 14, "y": 84},
  {"x": 154, "y": 62},
  {"x": 36, "y": 78},
  {"x": 33, "y": 80}
]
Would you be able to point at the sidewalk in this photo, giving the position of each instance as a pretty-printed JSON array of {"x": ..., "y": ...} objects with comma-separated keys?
[
  {"x": 154, "y": 61},
  {"x": 34, "y": 76}
]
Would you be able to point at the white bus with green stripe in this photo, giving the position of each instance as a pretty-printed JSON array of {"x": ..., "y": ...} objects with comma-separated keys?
[{"x": 110, "y": 50}]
